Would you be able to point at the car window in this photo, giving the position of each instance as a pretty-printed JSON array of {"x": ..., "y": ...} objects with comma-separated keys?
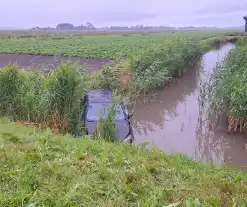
[{"x": 95, "y": 110}]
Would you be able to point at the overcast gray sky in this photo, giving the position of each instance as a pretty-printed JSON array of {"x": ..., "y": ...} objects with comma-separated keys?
[{"x": 29, "y": 13}]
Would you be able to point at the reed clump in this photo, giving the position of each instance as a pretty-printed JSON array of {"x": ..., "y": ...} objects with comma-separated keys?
[
  {"x": 19, "y": 94},
  {"x": 226, "y": 90},
  {"x": 151, "y": 68},
  {"x": 53, "y": 101},
  {"x": 154, "y": 67},
  {"x": 106, "y": 126},
  {"x": 61, "y": 98}
]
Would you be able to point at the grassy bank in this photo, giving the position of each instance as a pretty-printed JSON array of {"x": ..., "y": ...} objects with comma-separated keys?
[
  {"x": 225, "y": 92},
  {"x": 210, "y": 43},
  {"x": 150, "y": 69},
  {"x": 40, "y": 169}
]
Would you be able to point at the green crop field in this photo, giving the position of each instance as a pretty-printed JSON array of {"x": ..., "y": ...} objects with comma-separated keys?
[
  {"x": 63, "y": 34},
  {"x": 110, "y": 46}
]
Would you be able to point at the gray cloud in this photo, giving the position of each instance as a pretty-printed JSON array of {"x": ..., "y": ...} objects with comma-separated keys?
[
  {"x": 114, "y": 16},
  {"x": 219, "y": 7},
  {"x": 27, "y": 13}
]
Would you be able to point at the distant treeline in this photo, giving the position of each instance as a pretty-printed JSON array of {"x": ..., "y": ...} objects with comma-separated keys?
[{"x": 90, "y": 26}]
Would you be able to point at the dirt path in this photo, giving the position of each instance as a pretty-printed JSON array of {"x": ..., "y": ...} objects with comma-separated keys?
[{"x": 42, "y": 62}]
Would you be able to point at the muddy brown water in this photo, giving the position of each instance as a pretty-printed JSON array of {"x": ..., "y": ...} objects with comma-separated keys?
[
  {"x": 44, "y": 62},
  {"x": 169, "y": 119}
]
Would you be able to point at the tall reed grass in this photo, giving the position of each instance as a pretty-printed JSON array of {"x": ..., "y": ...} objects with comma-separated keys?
[
  {"x": 61, "y": 98},
  {"x": 226, "y": 90},
  {"x": 53, "y": 101},
  {"x": 19, "y": 96},
  {"x": 115, "y": 76},
  {"x": 106, "y": 127},
  {"x": 155, "y": 67},
  {"x": 150, "y": 69}
]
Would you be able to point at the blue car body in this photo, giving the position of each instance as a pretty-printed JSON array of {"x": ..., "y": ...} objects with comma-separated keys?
[{"x": 96, "y": 104}]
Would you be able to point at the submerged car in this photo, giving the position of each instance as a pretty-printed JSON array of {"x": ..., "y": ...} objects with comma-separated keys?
[{"x": 96, "y": 104}]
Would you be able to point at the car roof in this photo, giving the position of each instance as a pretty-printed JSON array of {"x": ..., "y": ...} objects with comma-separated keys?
[
  {"x": 100, "y": 96},
  {"x": 97, "y": 110}
]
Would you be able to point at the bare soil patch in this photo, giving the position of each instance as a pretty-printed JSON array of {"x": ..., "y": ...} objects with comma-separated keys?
[{"x": 43, "y": 62}]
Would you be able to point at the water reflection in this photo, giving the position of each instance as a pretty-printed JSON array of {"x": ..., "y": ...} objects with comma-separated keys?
[
  {"x": 152, "y": 111},
  {"x": 169, "y": 119}
]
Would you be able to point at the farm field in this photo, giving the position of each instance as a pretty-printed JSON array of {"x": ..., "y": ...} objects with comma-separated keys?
[
  {"x": 15, "y": 34},
  {"x": 110, "y": 46}
]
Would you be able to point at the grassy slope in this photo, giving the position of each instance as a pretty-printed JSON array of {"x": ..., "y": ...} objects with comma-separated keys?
[
  {"x": 46, "y": 170},
  {"x": 210, "y": 43}
]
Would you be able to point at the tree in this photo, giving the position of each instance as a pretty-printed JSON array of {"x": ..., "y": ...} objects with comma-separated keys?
[
  {"x": 65, "y": 26},
  {"x": 89, "y": 26}
]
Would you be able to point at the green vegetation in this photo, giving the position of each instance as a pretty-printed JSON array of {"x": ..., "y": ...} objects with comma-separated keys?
[
  {"x": 141, "y": 62},
  {"x": 225, "y": 92},
  {"x": 98, "y": 46},
  {"x": 18, "y": 34},
  {"x": 53, "y": 101},
  {"x": 105, "y": 127},
  {"x": 155, "y": 67},
  {"x": 150, "y": 69},
  {"x": 210, "y": 43},
  {"x": 116, "y": 76},
  {"x": 38, "y": 168},
  {"x": 41, "y": 169},
  {"x": 17, "y": 95}
]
